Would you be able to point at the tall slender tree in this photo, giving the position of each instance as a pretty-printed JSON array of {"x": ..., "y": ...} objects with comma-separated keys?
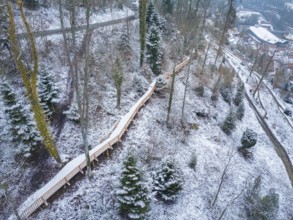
[
  {"x": 228, "y": 24},
  {"x": 142, "y": 28},
  {"x": 29, "y": 78}
]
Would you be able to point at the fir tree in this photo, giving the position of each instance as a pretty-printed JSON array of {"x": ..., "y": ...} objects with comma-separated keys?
[
  {"x": 167, "y": 183},
  {"x": 72, "y": 113},
  {"x": 132, "y": 196},
  {"x": 239, "y": 94},
  {"x": 229, "y": 123},
  {"x": 154, "y": 55},
  {"x": 150, "y": 14},
  {"x": 22, "y": 127},
  {"x": 48, "y": 93},
  {"x": 152, "y": 17},
  {"x": 240, "y": 110}
]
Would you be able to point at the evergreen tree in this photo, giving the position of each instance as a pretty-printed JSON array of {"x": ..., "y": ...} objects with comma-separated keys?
[
  {"x": 22, "y": 127},
  {"x": 72, "y": 113},
  {"x": 132, "y": 196},
  {"x": 239, "y": 94},
  {"x": 167, "y": 183},
  {"x": 167, "y": 6},
  {"x": 152, "y": 17},
  {"x": 240, "y": 110},
  {"x": 48, "y": 92},
  {"x": 150, "y": 14},
  {"x": 229, "y": 123},
  {"x": 154, "y": 55}
]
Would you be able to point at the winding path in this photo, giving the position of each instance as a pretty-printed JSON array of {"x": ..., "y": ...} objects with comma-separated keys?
[
  {"x": 279, "y": 148},
  {"x": 77, "y": 165}
]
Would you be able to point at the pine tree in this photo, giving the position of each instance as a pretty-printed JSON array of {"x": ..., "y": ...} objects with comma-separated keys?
[
  {"x": 22, "y": 127},
  {"x": 154, "y": 55},
  {"x": 240, "y": 110},
  {"x": 239, "y": 94},
  {"x": 167, "y": 183},
  {"x": 48, "y": 92},
  {"x": 152, "y": 17},
  {"x": 229, "y": 123},
  {"x": 150, "y": 14},
  {"x": 72, "y": 113},
  {"x": 132, "y": 196}
]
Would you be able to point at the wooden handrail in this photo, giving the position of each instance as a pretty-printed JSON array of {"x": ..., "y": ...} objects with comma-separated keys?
[{"x": 76, "y": 165}]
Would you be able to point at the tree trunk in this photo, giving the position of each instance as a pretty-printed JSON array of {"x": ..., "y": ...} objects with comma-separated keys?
[
  {"x": 171, "y": 94},
  {"x": 265, "y": 72}
]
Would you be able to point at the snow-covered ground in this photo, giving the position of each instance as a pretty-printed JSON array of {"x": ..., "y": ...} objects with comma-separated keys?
[{"x": 151, "y": 142}]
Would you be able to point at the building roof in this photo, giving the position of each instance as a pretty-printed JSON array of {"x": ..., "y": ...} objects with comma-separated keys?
[{"x": 265, "y": 35}]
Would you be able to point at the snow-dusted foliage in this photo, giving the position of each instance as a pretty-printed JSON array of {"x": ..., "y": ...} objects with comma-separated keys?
[
  {"x": 48, "y": 92},
  {"x": 229, "y": 123},
  {"x": 153, "y": 49},
  {"x": 21, "y": 124},
  {"x": 240, "y": 110},
  {"x": 72, "y": 113},
  {"x": 258, "y": 207},
  {"x": 132, "y": 194},
  {"x": 239, "y": 94},
  {"x": 226, "y": 94},
  {"x": 167, "y": 183},
  {"x": 249, "y": 138}
]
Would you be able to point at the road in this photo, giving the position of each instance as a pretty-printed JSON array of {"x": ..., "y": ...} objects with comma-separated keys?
[
  {"x": 79, "y": 28},
  {"x": 279, "y": 148}
]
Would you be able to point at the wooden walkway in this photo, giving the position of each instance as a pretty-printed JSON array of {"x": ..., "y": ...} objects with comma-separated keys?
[{"x": 79, "y": 163}]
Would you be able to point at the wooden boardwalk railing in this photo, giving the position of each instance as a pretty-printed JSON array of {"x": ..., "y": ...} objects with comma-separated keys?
[{"x": 76, "y": 165}]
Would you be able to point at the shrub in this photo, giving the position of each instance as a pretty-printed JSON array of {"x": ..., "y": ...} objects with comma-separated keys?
[
  {"x": 258, "y": 207},
  {"x": 249, "y": 138},
  {"x": 288, "y": 112},
  {"x": 193, "y": 161},
  {"x": 200, "y": 91},
  {"x": 229, "y": 123},
  {"x": 167, "y": 183}
]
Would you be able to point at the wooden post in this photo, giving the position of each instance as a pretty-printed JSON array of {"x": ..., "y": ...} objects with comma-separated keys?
[
  {"x": 44, "y": 201},
  {"x": 80, "y": 170},
  {"x": 66, "y": 181}
]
